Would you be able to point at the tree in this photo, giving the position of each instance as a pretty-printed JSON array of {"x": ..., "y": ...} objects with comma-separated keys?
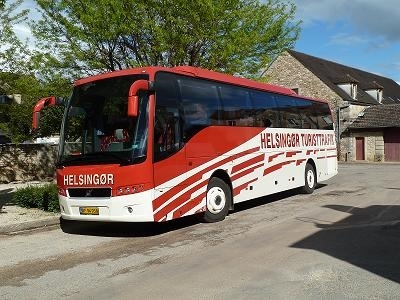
[
  {"x": 234, "y": 36},
  {"x": 16, "y": 119},
  {"x": 18, "y": 77},
  {"x": 14, "y": 52}
]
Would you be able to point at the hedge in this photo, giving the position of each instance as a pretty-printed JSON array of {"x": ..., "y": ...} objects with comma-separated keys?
[{"x": 44, "y": 197}]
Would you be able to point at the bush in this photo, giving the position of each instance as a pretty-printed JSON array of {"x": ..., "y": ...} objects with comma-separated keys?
[{"x": 44, "y": 197}]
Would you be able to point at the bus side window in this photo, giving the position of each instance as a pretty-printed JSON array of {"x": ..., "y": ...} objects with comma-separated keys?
[
  {"x": 200, "y": 103},
  {"x": 306, "y": 113},
  {"x": 265, "y": 110},
  {"x": 167, "y": 125},
  {"x": 237, "y": 107},
  {"x": 196, "y": 114},
  {"x": 166, "y": 131},
  {"x": 289, "y": 112},
  {"x": 196, "y": 118},
  {"x": 322, "y": 115}
]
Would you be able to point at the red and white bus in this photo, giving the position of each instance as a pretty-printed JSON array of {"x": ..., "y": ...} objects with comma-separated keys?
[{"x": 155, "y": 144}]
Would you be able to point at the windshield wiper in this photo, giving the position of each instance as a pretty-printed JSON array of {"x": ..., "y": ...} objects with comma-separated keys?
[{"x": 94, "y": 156}]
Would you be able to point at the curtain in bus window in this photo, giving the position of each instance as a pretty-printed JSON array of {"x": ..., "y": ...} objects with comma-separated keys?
[
  {"x": 265, "y": 110},
  {"x": 289, "y": 112},
  {"x": 200, "y": 102},
  {"x": 236, "y": 106}
]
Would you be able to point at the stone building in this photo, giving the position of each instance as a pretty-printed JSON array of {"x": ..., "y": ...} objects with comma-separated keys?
[{"x": 366, "y": 106}]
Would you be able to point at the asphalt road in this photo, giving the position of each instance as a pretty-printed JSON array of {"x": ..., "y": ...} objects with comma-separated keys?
[{"x": 342, "y": 242}]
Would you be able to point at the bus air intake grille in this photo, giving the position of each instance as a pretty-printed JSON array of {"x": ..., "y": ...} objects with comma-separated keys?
[{"x": 89, "y": 192}]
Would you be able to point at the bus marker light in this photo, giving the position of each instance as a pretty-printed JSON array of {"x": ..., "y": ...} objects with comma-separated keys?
[{"x": 126, "y": 190}]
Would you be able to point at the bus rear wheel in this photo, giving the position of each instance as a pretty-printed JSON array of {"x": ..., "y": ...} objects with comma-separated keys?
[
  {"x": 218, "y": 200},
  {"x": 310, "y": 178}
]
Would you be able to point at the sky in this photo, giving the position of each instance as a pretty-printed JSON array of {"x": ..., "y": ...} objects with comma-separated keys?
[{"x": 364, "y": 34}]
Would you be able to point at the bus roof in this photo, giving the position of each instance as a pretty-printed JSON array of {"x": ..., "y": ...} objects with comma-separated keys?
[{"x": 198, "y": 73}]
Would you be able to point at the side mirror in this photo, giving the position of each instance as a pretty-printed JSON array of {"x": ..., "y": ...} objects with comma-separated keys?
[
  {"x": 42, "y": 103},
  {"x": 133, "y": 98}
]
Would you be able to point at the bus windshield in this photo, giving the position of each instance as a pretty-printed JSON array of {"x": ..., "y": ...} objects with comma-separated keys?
[{"x": 96, "y": 127}]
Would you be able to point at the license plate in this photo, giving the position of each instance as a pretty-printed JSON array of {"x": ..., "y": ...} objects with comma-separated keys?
[{"x": 89, "y": 210}]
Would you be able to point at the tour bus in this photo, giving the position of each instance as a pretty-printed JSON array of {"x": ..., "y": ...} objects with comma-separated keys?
[{"x": 154, "y": 144}]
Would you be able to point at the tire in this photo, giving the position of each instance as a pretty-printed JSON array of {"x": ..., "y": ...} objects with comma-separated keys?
[
  {"x": 218, "y": 200},
  {"x": 310, "y": 179}
]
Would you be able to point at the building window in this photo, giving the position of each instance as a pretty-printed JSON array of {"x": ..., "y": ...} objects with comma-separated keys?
[
  {"x": 379, "y": 95},
  {"x": 353, "y": 91},
  {"x": 350, "y": 89}
]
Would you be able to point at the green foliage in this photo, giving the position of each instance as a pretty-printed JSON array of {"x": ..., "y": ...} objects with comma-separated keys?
[
  {"x": 234, "y": 36},
  {"x": 80, "y": 38},
  {"x": 43, "y": 197},
  {"x": 50, "y": 121},
  {"x": 14, "y": 53},
  {"x": 18, "y": 66},
  {"x": 15, "y": 125},
  {"x": 16, "y": 119}
]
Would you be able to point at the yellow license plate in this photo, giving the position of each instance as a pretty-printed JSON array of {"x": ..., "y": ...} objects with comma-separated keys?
[{"x": 89, "y": 210}]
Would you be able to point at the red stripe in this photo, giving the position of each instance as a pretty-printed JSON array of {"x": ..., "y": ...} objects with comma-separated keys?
[
  {"x": 188, "y": 206},
  {"x": 300, "y": 161},
  {"x": 187, "y": 182},
  {"x": 331, "y": 156},
  {"x": 252, "y": 150},
  {"x": 179, "y": 201},
  {"x": 238, "y": 189},
  {"x": 191, "y": 180},
  {"x": 292, "y": 153},
  {"x": 331, "y": 149},
  {"x": 277, "y": 167},
  {"x": 248, "y": 163},
  {"x": 186, "y": 196},
  {"x": 321, "y": 157},
  {"x": 272, "y": 157},
  {"x": 173, "y": 191},
  {"x": 246, "y": 172},
  {"x": 309, "y": 152}
]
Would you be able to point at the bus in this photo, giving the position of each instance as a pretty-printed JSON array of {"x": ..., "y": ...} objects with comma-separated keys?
[{"x": 155, "y": 144}]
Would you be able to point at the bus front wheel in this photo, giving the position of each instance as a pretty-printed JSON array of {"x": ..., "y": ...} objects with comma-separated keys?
[
  {"x": 218, "y": 199},
  {"x": 310, "y": 178}
]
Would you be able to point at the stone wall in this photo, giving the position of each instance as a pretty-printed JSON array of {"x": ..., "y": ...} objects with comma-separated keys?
[
  {"x": 26, "y": 162},
  {"x": 373, "y": 144}
]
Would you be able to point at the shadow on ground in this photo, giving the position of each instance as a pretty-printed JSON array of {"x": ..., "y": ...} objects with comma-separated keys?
[
  {"x": 269, "y": 199},
  {"x": 368, "y": 238},
  {"x": 123, "y": 229}
]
